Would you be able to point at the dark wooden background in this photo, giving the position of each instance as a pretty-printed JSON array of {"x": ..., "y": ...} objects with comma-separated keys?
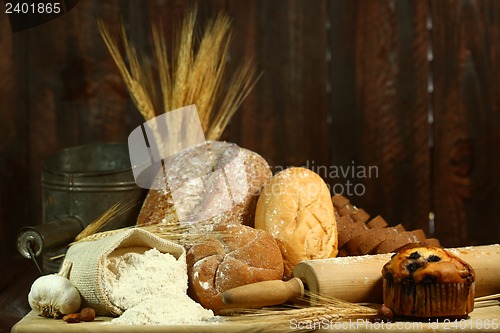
[
  {"x": 344, "y": 83},
  {"x": 410, "y": 87}
]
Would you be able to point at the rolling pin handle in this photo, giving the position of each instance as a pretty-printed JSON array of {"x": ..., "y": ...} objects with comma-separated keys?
[{"x": 266, "y": 293}]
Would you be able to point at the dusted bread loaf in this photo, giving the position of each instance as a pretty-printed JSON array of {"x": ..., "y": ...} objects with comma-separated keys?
[
  {"x": 234, "y": 255},
  {"x": 219, "y": 183},
  {"x": 296, "y": 208}
]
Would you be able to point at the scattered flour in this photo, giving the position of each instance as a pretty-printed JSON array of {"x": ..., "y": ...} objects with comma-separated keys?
[{"x": 151, "y": 289}]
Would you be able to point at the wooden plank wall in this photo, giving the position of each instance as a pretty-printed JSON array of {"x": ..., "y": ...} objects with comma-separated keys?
[
  {"x": 345, "y": 84},
  {"x": 380, "y": 105},
  {"x": 467, "y": 119}
]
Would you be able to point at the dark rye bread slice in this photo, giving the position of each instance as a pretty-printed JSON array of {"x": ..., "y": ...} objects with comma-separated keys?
[
  {"x": 401, "y": 240},
  {"x": 359, "y": 215},
  {"x": 357, "y": 235},
  {"x": 394, "y": 243},
  {"x": 347, "y": 229},
  {"x": 339, "y": 201},
  {"x": 356, "y": 214},
  {"x": 350, "y": 220},
  {"x": 343, "y": 252},
  {"x": 352, "y": 246},
  {"x": 370, "y": 241},
  {"x": 427, "y": 242},
  {"x": 409, "y": 246},
  {"x": 432, "y": 242},
  {"x": 343, "y": 207},
  {"x": 346, "y": 210},
  {"x": 420, "y": 234},
  {"x": 400, "y": 228},
  {"x": 377, "y": 222}
]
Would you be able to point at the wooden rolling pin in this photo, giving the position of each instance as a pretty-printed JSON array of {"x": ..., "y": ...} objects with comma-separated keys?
[{"x": 356, "y": 279}]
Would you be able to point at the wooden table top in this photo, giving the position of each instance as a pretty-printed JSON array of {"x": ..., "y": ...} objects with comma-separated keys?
[{"x": 18, "y": 275}]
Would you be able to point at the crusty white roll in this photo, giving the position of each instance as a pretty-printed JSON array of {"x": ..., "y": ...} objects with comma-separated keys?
[{"x": 296, "y": 208}]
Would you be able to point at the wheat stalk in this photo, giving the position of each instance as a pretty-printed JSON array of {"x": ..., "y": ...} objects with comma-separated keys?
[
  {"x": 130, "y": 77},
  {"x": 312, "y": 308},
  {"x": 173, "y": 233},
  {"x": 487, "y": 301},
  {"x": 114, "y": 211},
  {"x": 183, "y": 61},
  {"x": 187, "y": 235},
  {"x": 232, "y": 100},
  {"x": 197, "y": 73}
]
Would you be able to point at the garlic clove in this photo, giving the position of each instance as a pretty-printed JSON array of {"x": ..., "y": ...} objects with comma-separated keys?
[{"x": 53, "y": 296}]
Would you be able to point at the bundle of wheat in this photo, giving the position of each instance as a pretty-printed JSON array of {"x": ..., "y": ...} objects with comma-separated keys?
[{"x": 196, "y": 75}]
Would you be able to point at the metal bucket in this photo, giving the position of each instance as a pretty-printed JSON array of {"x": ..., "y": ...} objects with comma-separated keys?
[{"x": 78, "y": 185}]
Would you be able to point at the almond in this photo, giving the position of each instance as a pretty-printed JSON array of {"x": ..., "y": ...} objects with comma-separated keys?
[
  {"x": 72, "y": 318},
  {"x": 87, "y": 314}
]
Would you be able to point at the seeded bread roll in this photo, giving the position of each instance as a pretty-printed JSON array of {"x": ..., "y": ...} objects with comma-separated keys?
[
  {"x": 296, "y": 208},
  {"x": 204, "y": 194},
  {"x": 234, "y": 255}
]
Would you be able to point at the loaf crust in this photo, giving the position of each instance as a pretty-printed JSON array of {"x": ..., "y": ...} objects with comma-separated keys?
[
  {"x": 232, "y": 256},
  {"x": 296, "y": 208},
  {"x": 203, "y": 193}
]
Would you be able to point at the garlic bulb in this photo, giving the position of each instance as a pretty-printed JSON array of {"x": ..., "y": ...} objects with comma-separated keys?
[{"x": 53, "y": 296}]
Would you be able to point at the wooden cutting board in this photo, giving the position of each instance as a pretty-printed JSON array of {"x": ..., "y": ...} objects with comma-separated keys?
[{"x": 480, "y": 320}]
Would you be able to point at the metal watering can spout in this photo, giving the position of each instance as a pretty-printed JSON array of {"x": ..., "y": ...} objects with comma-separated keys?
[{"x": 78, "y": 185}]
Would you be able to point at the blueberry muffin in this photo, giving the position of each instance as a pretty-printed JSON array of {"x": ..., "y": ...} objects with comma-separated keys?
[{"x": 428, "y": 282}]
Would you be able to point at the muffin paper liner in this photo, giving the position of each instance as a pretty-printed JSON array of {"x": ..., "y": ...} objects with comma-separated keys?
[{"x": 429, "y": 300}]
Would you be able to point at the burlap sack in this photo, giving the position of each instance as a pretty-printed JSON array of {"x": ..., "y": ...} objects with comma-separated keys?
[{"x": 87, "y": 260}]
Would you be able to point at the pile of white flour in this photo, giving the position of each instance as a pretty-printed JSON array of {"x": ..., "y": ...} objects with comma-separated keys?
[{"x": 151, "y": 287}]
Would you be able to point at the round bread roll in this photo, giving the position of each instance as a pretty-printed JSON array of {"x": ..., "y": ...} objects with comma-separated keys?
[
  {"x": 214, "y": 183},
  {"x": 296, "y": 208},
  {"x": 234, "y": 255}
]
